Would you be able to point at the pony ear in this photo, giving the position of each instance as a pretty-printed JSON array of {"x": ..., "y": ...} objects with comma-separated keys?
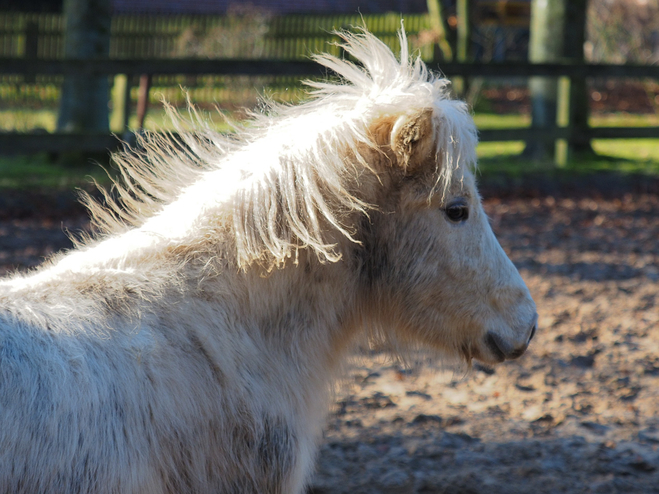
[{"x": 413, "y": 139}]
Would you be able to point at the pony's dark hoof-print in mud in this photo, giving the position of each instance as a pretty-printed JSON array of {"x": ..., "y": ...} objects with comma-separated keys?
[{"x": 191, "y": 346}]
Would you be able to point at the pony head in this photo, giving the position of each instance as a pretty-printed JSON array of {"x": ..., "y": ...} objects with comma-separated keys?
[{"x": 432, "y": 271}]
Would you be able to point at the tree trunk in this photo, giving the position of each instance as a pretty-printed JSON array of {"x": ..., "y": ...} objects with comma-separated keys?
[
  {"x": 575, "y": 36},
  {"x": 437, "y": 26},
  {"x": 545, "y": 45},
  {"x": 463, "y": 44},
  {"x": 84, "y": 100}
]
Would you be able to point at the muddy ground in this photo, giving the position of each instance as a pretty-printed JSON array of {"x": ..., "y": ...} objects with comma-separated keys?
[{"x": 577, "y": 413}]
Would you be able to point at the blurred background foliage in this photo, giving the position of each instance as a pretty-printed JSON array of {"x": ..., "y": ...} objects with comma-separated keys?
[{"x": 618, "y": 31}]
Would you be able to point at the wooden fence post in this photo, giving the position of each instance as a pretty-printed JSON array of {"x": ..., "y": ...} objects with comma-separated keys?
[
  {"x": 545, "y": 45},
  {"x": 437, "y": 25},
  {"x": 143, "y": 99},
  {"x": 120, "y": 103},
  {"x": 579, "y": 110},
  {"x": 563, "y": 104},
  {"x": 84, "y": 99},
  {"x": 463, "y": 44}
]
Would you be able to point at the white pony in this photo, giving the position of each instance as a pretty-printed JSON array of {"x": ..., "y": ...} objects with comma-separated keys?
[{"x": 193, "y": 346}]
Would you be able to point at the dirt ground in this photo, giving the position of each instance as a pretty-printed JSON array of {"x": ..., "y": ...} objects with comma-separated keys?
[{"x": 578, "y": 413}]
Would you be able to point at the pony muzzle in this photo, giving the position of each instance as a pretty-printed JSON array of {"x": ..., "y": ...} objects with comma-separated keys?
[{"x": 501, "y": 348}]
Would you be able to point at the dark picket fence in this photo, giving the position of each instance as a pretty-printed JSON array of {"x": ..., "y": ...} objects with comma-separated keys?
[
  {"x": 149, "y": 47},
  {"x": 163, "y": 36}
]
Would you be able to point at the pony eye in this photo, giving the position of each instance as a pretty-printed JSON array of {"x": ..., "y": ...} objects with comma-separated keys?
[{"x": 457, "y": 212}]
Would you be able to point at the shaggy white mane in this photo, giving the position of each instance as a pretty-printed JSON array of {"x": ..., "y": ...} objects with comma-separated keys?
[{"x": 283, "y": 180}]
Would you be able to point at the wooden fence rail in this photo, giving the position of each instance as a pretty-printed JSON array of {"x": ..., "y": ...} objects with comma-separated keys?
[
  {"x": 22, "y": 143},
  {"x": 16, "y": 143},
  {"x": 188, "y": 66}
]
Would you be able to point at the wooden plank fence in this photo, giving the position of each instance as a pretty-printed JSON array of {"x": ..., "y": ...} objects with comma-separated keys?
[
  {"x": 31, "y": 50},
  {"x": 160, "y": 36},
  {"x": 193, "y": 66},
  {"x": 20, "y": 143}
]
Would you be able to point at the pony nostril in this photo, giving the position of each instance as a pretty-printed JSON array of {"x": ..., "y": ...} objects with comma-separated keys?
[
  {"x": 501, "y": 350},
  {"x": 533, "y": 329}
]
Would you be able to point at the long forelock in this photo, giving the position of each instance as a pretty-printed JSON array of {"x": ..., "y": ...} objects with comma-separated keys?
[
  {"x": 292, "y": 205},
  {"x": 384, "y": 85}
]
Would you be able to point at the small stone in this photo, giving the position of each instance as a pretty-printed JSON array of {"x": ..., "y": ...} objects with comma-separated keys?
[
  {"x": 547, "y": 418},
  {"x": 420, "y": 394},
  {"x": 458, "y": 440},
  {"x": 583, "y": 361},
  {"x": 377, "y": 400},
  {"x": 422, "y": 418},
  {"x": 598, "y": 429}
]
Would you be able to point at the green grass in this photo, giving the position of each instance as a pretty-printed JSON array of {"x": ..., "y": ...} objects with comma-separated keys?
[
  {"x": 496, "y": 121},
  {"x": 638, "y": 156},
  {"x": 37, "y": 171},
  {"x": 623, "y": 155},
  {"x": 487, "y": 150},
  {"x": 641, "y": 150},
  {"x": 27, "y": 120},
  {"x": 626, "y": 156},
  {"x": 158, "y": 120},
  {"x": 624, "y": 120},
  {"x": 514, "y": 165}
]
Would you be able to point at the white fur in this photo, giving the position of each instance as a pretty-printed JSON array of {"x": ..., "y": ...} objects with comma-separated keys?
[{"x": 192, "y": 347}]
